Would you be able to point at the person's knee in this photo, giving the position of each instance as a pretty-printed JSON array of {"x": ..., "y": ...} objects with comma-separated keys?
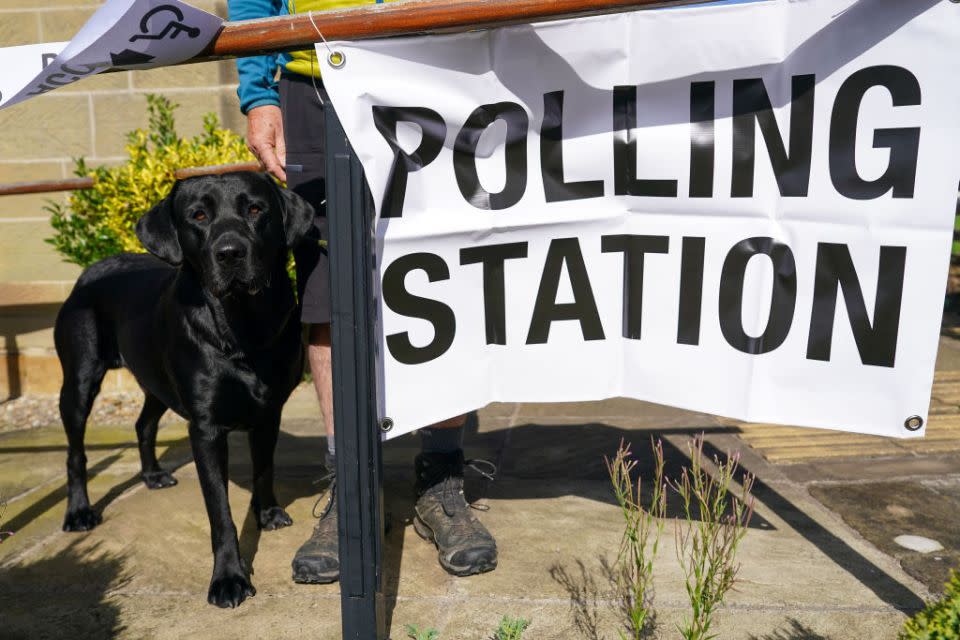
[{"x": 319, "y": 335}]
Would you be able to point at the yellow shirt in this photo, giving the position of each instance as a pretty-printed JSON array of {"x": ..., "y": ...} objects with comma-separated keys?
[{"x": 305, "y": 62}]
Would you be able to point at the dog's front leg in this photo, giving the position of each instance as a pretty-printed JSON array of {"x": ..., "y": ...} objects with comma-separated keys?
[
  {"x": 229, "y": 585},
  {"x": 263, "y": 441}
]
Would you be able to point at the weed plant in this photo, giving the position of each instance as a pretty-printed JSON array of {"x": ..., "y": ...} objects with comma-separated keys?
[
  {"x": 714, "y": 523},
  {"x": 511, "y": 628},
  {"x": 643, "y": 527},
  {"x": 415, "y": 633}
]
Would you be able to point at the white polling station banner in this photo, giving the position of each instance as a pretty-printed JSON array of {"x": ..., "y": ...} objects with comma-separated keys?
[
  {"x": 121, "y": 34},
  {"x": 744, "y": 210}
]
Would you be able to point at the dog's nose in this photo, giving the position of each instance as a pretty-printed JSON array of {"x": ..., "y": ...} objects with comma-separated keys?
[{"x": 230, "y": 252}]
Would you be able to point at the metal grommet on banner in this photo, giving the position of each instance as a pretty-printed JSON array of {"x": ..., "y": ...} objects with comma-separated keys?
[
  {"x": 386, "y": 425},
  {"x": 336, "y": 59},
  {"x": 913, "y": 423}
]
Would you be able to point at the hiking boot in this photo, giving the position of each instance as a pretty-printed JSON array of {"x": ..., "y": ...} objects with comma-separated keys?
[
  {"x": 317, "y": 561},
  {"x": 443, "y": 517}
]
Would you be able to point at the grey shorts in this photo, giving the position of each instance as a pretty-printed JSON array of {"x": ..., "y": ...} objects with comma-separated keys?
[{"x": 303, "y": 129}]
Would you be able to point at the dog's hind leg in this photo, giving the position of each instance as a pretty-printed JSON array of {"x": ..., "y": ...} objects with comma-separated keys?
[
  {"x": 150, "y": 472},
  {"x": 81, "y": 383}
]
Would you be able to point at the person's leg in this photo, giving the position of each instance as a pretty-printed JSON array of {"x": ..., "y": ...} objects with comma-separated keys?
[
  {"x": 318, "y": 354},
  {"x": 465, "y": 545},
  {"x": 442, "y": 514},
  {"x": 317, "y": 560}
]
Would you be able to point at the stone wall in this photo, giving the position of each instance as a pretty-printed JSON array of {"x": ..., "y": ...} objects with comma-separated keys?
[{"x": 39, "y": 140}]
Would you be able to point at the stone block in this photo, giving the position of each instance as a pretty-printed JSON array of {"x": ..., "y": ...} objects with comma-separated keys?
[
  {"x": 31, "y": 204},
  {"x": 15, "y": 295},
  {"x": 216, "y": 7},
  {"x": 116, "y": 81},
  {"x": 54, "y": 126},
  {"x": 61, "y": 25},
  {"x": 13, "y": 171},
  {"x": 28, "y": 335},
  {"x": 119, "y": 380},
  {"x": 230, "y": 116},
  {"x": 27, "y": 257},
  {"x": 115, "y": 115},
  {"x": 40, "y": 374},
  {"x": 19, "y": 27},
  {"x": 207, "y": 74},
  {"x": 27, "y": 329},
  {"x": 35, "y": 374}
]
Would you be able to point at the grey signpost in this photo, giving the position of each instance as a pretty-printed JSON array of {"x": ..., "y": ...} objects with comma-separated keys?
[{"x": 350, "y": 225}]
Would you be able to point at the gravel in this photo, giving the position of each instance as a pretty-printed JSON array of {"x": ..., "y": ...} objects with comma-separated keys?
[{"x": 32, "y": 411}]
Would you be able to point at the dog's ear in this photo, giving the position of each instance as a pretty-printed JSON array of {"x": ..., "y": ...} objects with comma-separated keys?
[
  {"x": 157, "y": 233},
  {"x": 297, "y": 216}
]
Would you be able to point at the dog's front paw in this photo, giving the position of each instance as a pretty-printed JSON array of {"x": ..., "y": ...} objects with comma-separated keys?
[
  {"x": 230, "y": 590},
  {"x": 273, "y": 518},
  {"x": 82, "y": 519},
  {"x": 158, "y": 479}
]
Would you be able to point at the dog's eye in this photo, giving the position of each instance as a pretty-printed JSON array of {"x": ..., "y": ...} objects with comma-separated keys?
[
  {"x": 199, "y": 216},
  {"x": 254, "y": 210}
]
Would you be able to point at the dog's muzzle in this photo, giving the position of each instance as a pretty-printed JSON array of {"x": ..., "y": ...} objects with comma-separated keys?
[{"x": 233, "y": 270}]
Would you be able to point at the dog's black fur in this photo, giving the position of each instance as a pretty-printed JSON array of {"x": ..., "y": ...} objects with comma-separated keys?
[{"x": 210, "y": 328}]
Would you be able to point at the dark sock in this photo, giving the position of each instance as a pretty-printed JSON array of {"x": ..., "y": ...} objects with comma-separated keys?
[{"x": 433, "y": 440}]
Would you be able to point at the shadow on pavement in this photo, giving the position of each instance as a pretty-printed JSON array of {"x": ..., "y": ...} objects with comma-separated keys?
[
  {"x": 797, "y": 631},
  {"x": 172, "y": 459},
  {"x": 44, "y": 504},
  {"x": 870, "y": 575},
  {"x": 82, "y": 578},
  {"x": 587, "y": 598},
  {"x": 881, "y": 511},
  {"x": 535, "y": 461},
  {"x": 538, "y": 461}
]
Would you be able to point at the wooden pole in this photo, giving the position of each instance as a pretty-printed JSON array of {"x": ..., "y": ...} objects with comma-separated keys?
[
  {"x": 408, "y": 17},
  {"x": 45, "y": 186},
  {"x": 73, "y": 184},
  {"x": 290, "y": 33}
]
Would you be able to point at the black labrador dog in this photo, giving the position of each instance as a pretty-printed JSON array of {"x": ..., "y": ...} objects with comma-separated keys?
[{"x": 210, "y": 328}]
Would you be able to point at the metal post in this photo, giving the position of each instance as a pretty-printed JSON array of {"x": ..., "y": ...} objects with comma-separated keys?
[{"x": 359, "y": 488}]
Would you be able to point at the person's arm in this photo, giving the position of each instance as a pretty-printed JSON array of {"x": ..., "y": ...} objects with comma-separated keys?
[{"x": 259, "y": 97}]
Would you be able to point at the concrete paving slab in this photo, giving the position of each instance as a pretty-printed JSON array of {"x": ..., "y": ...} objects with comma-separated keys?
[
  {"x": 882, "y": 511},
  {"x": 143, "y": 573}
]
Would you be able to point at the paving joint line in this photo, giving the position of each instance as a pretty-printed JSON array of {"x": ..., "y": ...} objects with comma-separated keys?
[{"x": 865, "y": 481}]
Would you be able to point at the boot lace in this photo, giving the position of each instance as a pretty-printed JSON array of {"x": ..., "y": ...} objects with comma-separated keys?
[
  {"x": 451, "y": 486},
  {"x": 331, "y": 498}
]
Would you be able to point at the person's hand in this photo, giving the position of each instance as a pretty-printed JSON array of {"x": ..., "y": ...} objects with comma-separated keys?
[{"x": 265, "y": 139}]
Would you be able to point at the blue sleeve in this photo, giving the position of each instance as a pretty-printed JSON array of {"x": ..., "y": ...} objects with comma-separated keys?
[{"x": 257, "y": 84}]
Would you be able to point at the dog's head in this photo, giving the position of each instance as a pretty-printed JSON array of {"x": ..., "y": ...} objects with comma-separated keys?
[{"x": 232, "y": 229}]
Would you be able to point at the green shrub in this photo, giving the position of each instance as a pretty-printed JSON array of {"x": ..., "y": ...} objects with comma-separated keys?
[
  {"x": 939, "y": 620},
  {"x": 99, "y": 222}
]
